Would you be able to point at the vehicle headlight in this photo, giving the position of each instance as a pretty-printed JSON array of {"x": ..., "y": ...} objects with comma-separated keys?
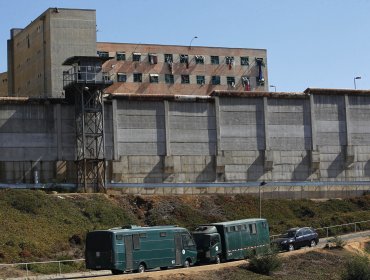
[{"x": 284, "y": 242}]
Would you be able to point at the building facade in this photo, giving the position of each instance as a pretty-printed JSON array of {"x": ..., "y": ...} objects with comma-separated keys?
[
  {"x": 36, "y": 53},
  {"x": 183, "y": 70}
]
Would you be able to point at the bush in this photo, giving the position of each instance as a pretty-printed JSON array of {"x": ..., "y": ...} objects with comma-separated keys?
[
  {"x": 357, "y": 268},
  {"x": 264, "y": 264},
  {"x": 336, "y": 242}
]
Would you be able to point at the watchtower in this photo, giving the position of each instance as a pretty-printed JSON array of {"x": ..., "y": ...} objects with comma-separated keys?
[{"x": 84, "y": 83}]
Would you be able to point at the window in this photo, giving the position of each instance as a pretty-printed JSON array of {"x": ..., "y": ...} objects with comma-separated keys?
[
  {"x": 185, "y": 79},
  {"x": 121, "y": 56},
  {"x": 168, "y": 58},
  {"x": 153, "y": 59},
  {"x": 201, "y": 80},
  {"x": 169, "y": 79},
  {"x": 163, "y": 234},
  {"x": 136, "y": 241},
  {"x": 184, "y": 58},
  {"x": 215, "y": 59},
  {"x": 121, "y": 77},
  {"x": 199, "y": 59},
  {"x": 187, "y": 241},
  {"x": 232, "y": 228},
  {"x": 230, "y": 81},
  {"x": 138, "y": 77},
  {"x": 143, "y": 235},
  {"x": 153, "y": 78},
  {"x": 119, "y": 237},
  {"x": 216, "y": 80},
  {"x": 252, "y": 228},
  {"x": 103, "y": 54},
  {"x": 136, "y": 56},
  {"x": 229, "y": 60},
  {"x": 244, "y": 60}
]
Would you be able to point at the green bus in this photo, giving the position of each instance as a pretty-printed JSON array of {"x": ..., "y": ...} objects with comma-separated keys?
[
  {"x": 139, "y": 248},
  {"x": 232, "y": 240}
]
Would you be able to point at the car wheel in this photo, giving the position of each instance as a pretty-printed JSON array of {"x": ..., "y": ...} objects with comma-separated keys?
[
  {"x": 141, "y": 268},
  {"x": 312, "y": 243},
  {"x": 186, "y": 264},
  {"x": 290, "y": 247},
  {"x": 218, "y": 260}
]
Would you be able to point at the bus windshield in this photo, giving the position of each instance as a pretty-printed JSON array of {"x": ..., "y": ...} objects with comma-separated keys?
[{"x": 99, "y": 241}]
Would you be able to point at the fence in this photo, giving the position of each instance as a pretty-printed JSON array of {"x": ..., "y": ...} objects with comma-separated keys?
[
  {"x": 329, "y": 232},
  {"x": 29, "y": 264}
]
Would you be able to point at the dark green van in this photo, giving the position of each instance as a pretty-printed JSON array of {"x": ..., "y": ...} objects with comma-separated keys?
[
  {"x": 139, "y": 248},
  {"x": 232, "y": 240}
]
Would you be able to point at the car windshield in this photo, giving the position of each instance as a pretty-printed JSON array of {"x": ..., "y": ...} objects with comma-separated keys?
[{"x": 289, "y": 234}]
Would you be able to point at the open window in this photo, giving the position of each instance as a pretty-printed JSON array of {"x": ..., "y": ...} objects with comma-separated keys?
[
  {"x": 120, "y": 56},
  {"x": 136, "y": 56},
  {"x": 215, "y": 59},
  {"x": 153, "y": 78},
  {"x": 153, "y": 59},
  {"x": 244, "y": 60},
  {"x": 229, "y": 61},
  {"x": 230, "y": 82},
  {"x": 184, "y": 58},
  {"x": 246, "y": 83},
  {"x": 199, "y": 59},
  {"x": 260, "y": 78},
  {"x": 185, "y": 79},
  {"x": 121, "y": 77}
]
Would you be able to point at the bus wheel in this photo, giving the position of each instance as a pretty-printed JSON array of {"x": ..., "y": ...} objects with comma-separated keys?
[
  {"x": 141, "y": 268},
  {"x": 186, "y": 264},
  {"x": 217, "y": 260}
]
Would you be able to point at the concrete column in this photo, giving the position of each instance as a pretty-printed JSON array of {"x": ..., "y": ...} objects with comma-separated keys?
[
  {"x": 269, "y": 155},
  {"x": 167, "y": 127},
  {"x": 115, "y": 130},
  {"x": 58, "y": 126},
  {"x": 266, "y": 118},
  {"x": 218, "y": 133},
  {"x": 313, "y": 124},
  {"x": 349, "y": 149},
  {"x": 348, "y": 120}
]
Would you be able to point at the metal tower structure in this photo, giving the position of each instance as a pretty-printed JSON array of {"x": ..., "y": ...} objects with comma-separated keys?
[{"x": 84, "y": 84}]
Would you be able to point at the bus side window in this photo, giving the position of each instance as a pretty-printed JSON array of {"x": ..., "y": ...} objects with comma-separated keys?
[
  {"x": 252, "y": 228},
  {"x": 136, "y": 241}
]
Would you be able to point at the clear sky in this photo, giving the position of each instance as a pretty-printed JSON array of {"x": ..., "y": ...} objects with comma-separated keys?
[{"x": 315, "y": 43}]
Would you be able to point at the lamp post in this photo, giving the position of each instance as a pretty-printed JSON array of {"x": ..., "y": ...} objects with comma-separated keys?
[
  {"x": 195, "y": 37},
  {"x": 272, "y": 86},
  {"x": 260, "y": 196},
  {"x": 354, "y": 80}
]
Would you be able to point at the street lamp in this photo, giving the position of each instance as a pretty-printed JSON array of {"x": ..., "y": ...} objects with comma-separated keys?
[
  {"x": 260, "y": 196},
  {"x": 354, "y": 80},
  {"x": 195, "y": 37},
  {"x": 272, "y": 86}
]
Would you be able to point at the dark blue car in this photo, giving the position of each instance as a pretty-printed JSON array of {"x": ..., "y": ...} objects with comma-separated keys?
[{"x": 296, "y": 238}]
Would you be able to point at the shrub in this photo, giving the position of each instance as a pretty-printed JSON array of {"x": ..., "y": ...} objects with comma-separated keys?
[
  {"x": 336, "y": 242},
  {"x": 264, "y": 264},
  {"x": 357, "y": 268}
]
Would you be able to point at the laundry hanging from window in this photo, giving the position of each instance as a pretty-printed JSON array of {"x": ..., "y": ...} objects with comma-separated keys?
[
  {"x": 260, "y": 77},
  {"x": 246, "y": 83}
]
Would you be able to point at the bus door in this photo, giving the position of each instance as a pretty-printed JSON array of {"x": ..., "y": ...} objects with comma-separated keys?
[
  {"x": 128, "y": 252},
  {"x": 178, "y": 248}
]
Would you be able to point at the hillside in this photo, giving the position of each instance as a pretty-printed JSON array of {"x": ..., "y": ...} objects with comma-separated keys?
[{"x": 35, "y": 225}]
